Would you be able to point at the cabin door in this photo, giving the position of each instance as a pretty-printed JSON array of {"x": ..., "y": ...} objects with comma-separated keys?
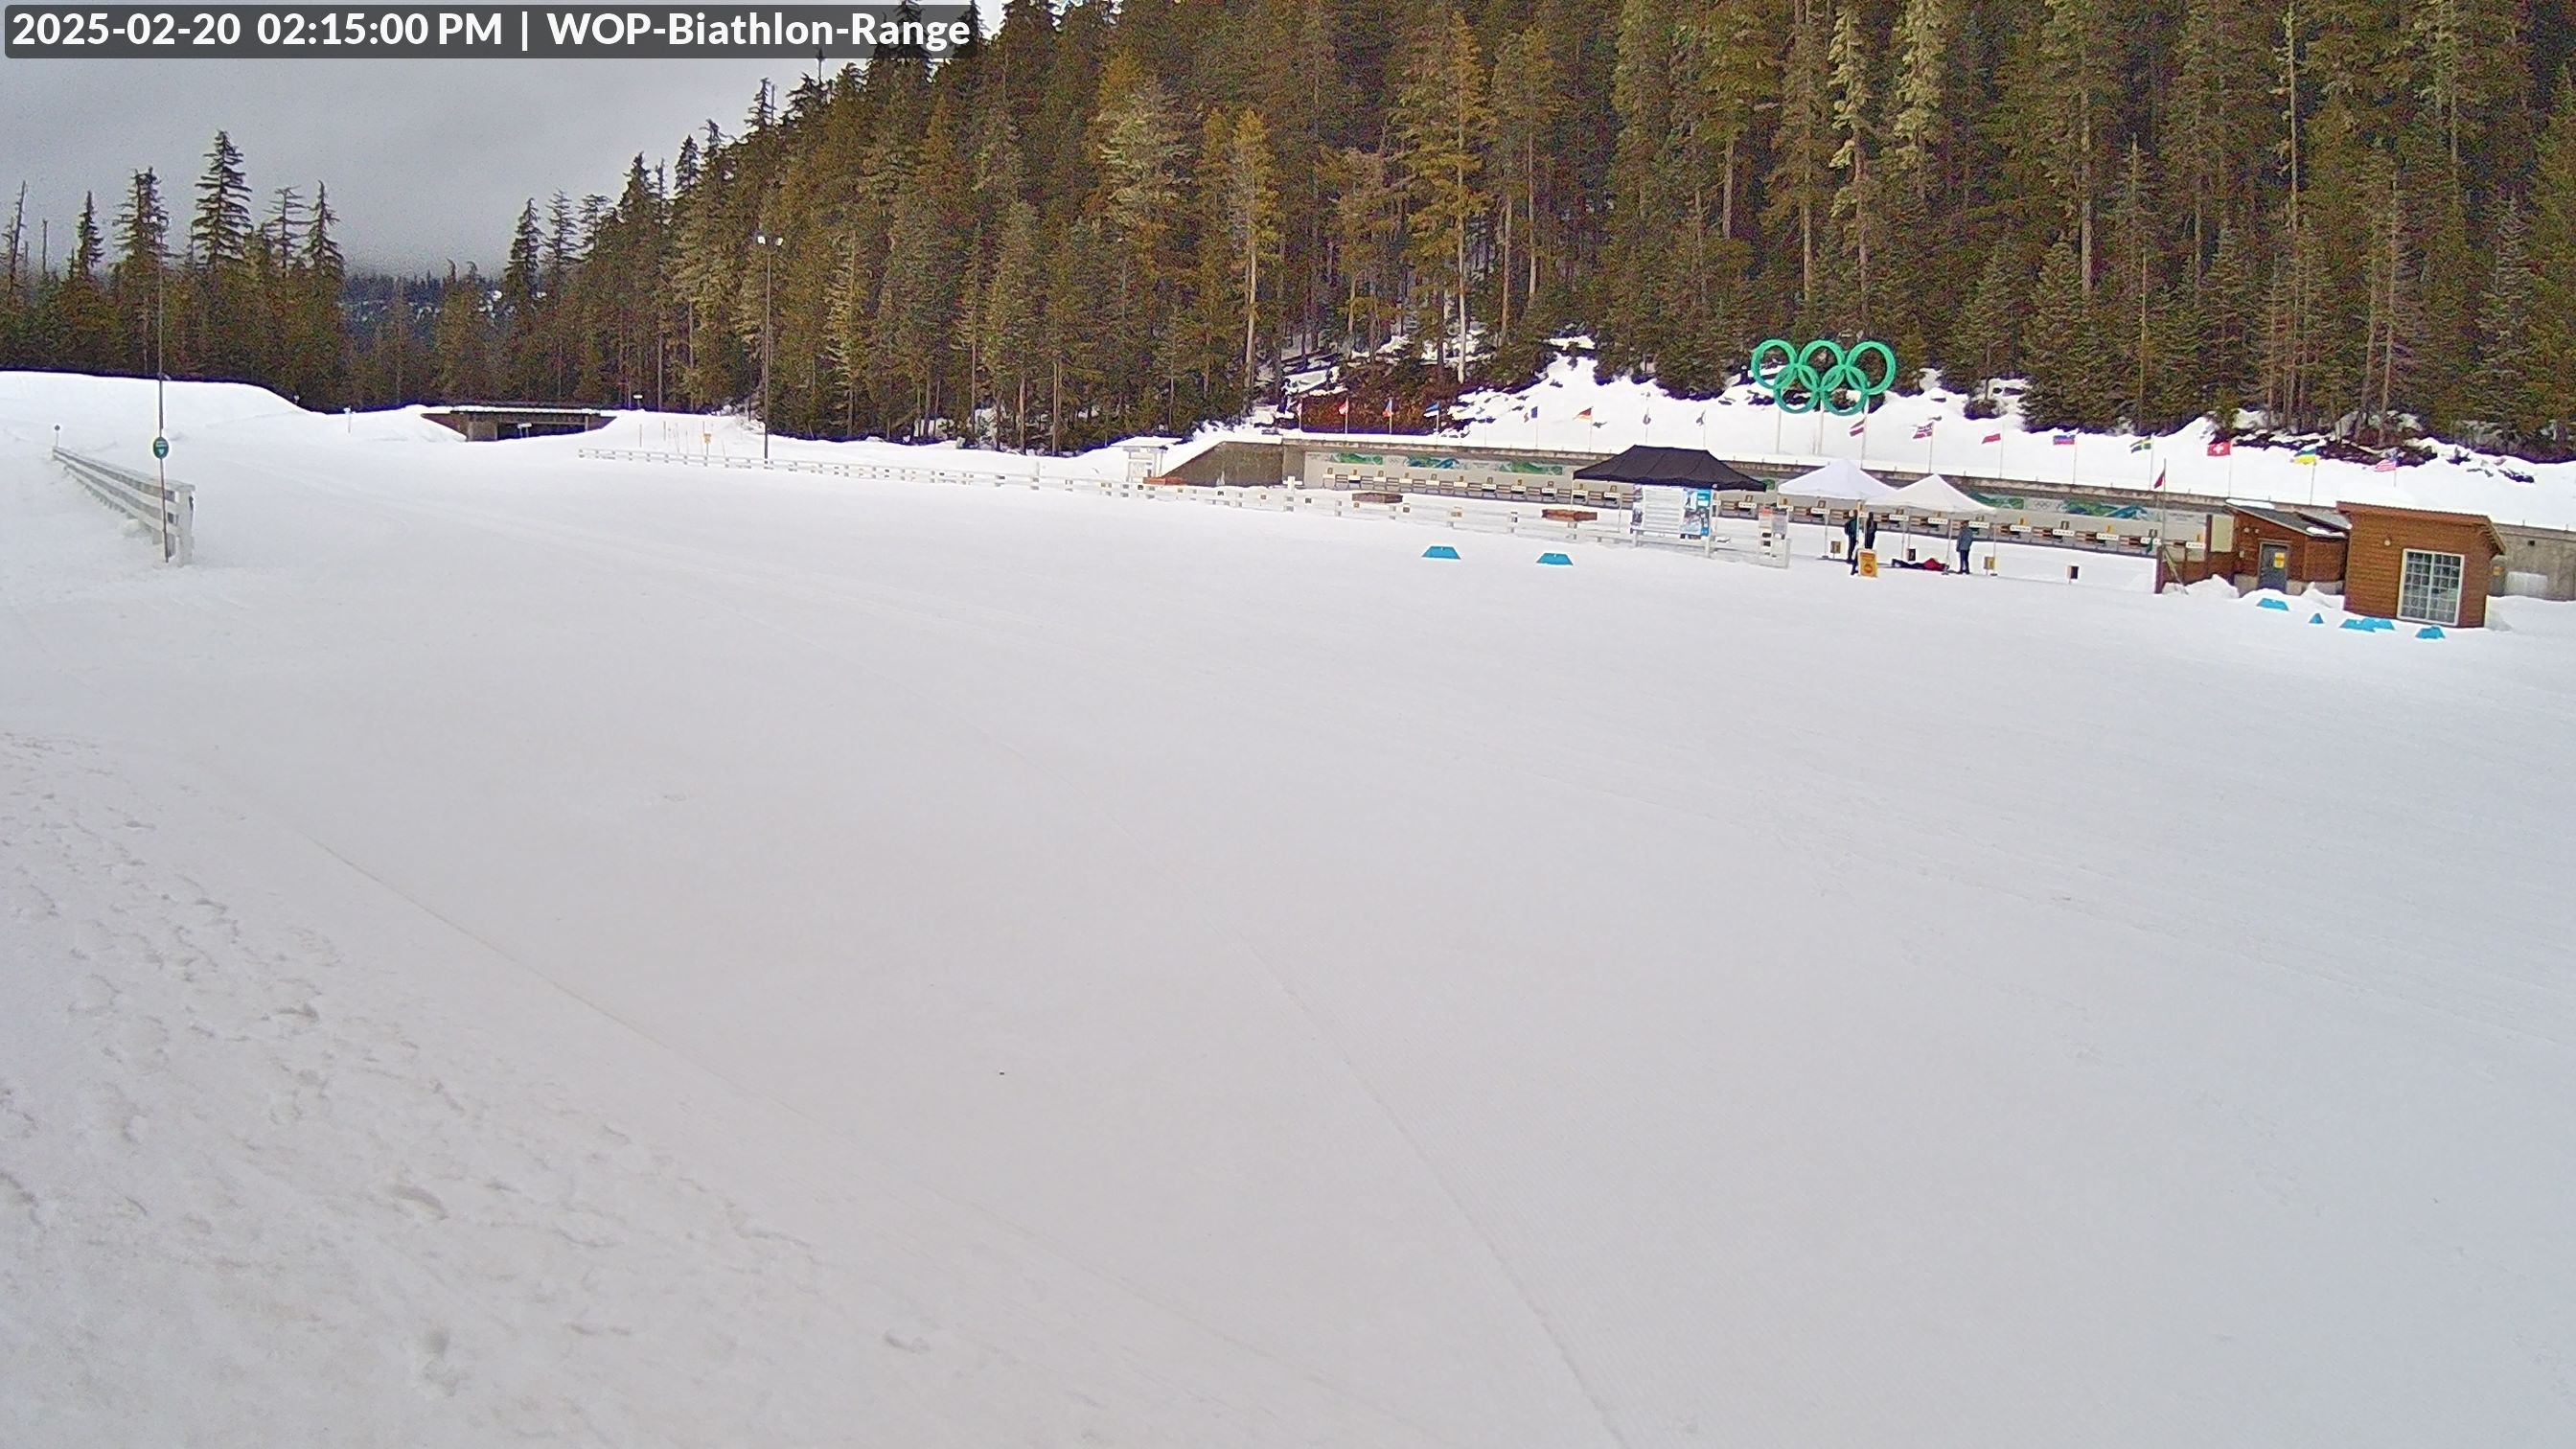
[{"x": 2276, "y": 568}]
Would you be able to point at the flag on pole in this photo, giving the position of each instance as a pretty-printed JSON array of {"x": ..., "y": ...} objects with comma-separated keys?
[
  {"x": 1390, "y": 409},
  {"x": 2141, "y": 445},
  {"x": 2385, "y": 465},
  {"x": 1923, "y": 431},
  {"x": 2307, "y": 457},
  {"x": 1346, "y": 407},
  {"x": 2221, "y": 447},
  {"x": 2063, "y": 440},
  {"x": 1994, "y": 437},
  {"x": 2160, "y": 477},
  {"x": 1703, "y": 417},
  {"x": 1432, "y": 411},
  {"x": 1584, "y": 416},
  {"x": 1859, "y": 427},
  {"x": 1646, "y": 420}
]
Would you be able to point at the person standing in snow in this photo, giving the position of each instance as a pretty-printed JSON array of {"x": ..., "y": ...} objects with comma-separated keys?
[
  {"x": 1851, "y": 538},
  {"x": 1869, "y": 532},
  {"x": 1967, "y": 534}
]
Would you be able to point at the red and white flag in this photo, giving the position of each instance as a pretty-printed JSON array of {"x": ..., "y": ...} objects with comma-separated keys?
[
  {"x": 1859, "y": 427},
  {"x": 1390, "y": 409},
  {"x": 1346, "y": 407},
  {"x": 2385, "y": 465},
  {"x": 1923, "y": 432},
  {"x": 1583, "y": 416},
  {"x": 1994, "y": 437},
  {"x": 2221, "y": 447},
  {"x": 2160, "y": 477}
]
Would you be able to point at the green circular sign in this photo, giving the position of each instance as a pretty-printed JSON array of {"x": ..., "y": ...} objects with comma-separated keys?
[
  {"x": 1822, "y": 375},
  {"x": 160, "y": 447}
]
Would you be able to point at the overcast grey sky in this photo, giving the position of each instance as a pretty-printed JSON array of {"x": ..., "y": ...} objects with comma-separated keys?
[{"x": 426, "y": 160}]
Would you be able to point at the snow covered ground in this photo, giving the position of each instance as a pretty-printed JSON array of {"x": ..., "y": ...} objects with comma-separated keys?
[{"x": 624, "y": 954}]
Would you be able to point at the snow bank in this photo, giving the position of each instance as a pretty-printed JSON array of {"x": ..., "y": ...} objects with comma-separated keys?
[{"x": 116, "y": 414}]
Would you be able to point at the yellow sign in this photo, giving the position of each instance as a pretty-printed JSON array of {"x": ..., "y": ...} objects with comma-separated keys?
[{"x": 1869, "y": 563}]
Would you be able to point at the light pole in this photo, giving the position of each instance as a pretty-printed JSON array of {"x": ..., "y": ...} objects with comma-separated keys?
[
  {"x": 160, "y": 412},
  {"x": 768, "y": 242}
]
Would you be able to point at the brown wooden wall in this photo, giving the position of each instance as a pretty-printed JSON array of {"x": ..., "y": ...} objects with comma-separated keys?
[
  {"x": 2312, "y": 559},
  {"x": 2376, "y": 569}
]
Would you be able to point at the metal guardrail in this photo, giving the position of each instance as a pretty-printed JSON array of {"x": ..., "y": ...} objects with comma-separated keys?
[{"x": 171, "y": 513}]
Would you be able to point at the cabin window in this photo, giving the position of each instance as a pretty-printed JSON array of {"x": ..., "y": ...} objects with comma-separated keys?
[{"x": 2429, "y": 591}]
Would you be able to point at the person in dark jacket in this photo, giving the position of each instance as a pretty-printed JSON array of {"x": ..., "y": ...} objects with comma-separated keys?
[
  {"x": 1851, "y": 538},
  {"x": 1967, "y": 535},
  {"x": 1869, "y": 533}
]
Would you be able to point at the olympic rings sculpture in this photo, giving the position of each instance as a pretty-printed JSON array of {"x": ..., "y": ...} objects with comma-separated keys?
[{"x": 1799, "y": 385}]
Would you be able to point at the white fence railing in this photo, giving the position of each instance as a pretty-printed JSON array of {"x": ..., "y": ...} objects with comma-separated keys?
[
  {"x": 171, "y": 514},
  {"x": 1516, "y": 519},
  {"x": 990, "y": 477}
]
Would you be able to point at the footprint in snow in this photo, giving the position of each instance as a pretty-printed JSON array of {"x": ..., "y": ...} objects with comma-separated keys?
[
  {"x": 95, "y": 996},
  {"x": 431, "y": 1365},
  {"x": 110, "y": 1113},
  {"x": 419, "y": 1200}
]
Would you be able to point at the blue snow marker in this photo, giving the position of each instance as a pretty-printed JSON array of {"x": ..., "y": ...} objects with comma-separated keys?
[
  {"x": 2361, "y": 624},
  {"x": 2281, "y": 604},
  {"x": 2316, "y": 618},
  {"x": 1558, "y": 559},
  {"x": 1440, "y": 550},
  {"x": 2431, "y": 631},
  {"x": 2383, "y": 623}
]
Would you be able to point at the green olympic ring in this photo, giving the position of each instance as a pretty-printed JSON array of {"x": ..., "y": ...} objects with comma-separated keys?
[{"x": 1798, "y": 385}]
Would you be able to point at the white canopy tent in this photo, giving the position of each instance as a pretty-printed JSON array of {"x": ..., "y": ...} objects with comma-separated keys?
[
  {"x": 1840, "y": 481},
  {"x": 1933, "y": 493}
]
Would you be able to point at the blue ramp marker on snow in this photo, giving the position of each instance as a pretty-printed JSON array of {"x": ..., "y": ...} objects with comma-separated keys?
[
  {"x": 1440, "y": 550},
  {"x": 2364, "y": 625},
  {"x": 2316, "y": 618},
  {"x": 2431, "y": 631},
  {"x": 2281, "y": 604},
  {"x": 2383, "y": 623},
  {"x": 1558, "y": 559}
]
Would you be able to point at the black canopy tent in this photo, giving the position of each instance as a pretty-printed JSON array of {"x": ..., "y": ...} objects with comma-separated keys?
[{"x": 1671, "y": 467}]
